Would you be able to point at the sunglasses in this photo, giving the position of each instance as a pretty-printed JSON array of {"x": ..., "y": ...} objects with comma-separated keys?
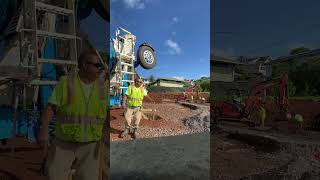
[
  {"x": 97, "y": 65},
  {"x": 138, "y": 81}
]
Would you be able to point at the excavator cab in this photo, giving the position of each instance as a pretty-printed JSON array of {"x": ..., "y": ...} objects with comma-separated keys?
[
  {"x": 247, "y": 112},
  {"x": 234, "y": 97}
]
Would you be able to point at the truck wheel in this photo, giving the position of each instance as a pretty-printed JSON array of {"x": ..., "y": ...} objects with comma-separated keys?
[{"x": 146, "y": 57}]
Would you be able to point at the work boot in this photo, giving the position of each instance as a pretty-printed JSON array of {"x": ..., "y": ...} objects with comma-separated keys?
[
  {"x": 131, "y": 130},
  {"x": 125, "y": 132},
  {"x": 135, "y": 133}
]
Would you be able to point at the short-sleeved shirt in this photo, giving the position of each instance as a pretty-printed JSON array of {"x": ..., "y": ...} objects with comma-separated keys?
[{"x": 59, "y": 91}]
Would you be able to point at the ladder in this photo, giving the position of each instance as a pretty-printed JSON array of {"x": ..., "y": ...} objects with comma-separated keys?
[
  {"x": 31, "y": 16},
  {"x": 124, "y": 46},
  {"x": 38, "y": 25}
]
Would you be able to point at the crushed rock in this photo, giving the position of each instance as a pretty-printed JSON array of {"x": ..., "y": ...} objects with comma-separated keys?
[{"x": 200, "y": 121}]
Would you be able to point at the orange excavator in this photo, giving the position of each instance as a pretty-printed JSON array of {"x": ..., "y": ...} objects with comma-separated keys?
[{"x": 247, "y": 112}]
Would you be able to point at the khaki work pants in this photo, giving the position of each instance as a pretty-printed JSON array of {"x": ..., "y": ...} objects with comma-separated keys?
[
  {"x": 65, "y": 156},
  {"x": 131, "y": 112}
]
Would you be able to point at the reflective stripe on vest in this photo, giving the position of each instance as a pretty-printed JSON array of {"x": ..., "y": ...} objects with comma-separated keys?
[{"x": 78, "y": 121}]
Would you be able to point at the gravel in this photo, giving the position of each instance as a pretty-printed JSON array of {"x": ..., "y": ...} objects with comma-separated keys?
[
  {"x": 175, "y": 119},
  {"x": 171, "y": 111},
  {"x": 200, "y": 121},
  {"x": 161, "y": 132}
]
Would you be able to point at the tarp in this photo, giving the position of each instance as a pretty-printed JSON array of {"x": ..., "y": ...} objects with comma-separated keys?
[
  {"x": 48, "y": 71},
  {"x": 27, "y": 124}
]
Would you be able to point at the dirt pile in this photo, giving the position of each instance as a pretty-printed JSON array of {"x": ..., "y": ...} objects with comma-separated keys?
[
  {"x": 200, "y": 121},
  {"x": 159, "y": 97},
  {"x": 170, "y": 111}
]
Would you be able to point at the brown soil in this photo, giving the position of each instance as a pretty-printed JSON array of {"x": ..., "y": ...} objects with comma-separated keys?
[
  {"x": 26, "y": 162},
  {"x": 160, "y": 97},
  {"x": 310, "y": 110},
  {"x": 232, "y": 159},
  {"x": 117, "y": 121}
]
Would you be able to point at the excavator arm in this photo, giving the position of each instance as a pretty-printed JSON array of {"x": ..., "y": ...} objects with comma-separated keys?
[{"x": 254, "y": 99}]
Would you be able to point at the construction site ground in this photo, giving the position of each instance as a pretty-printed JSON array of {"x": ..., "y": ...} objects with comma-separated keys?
[
  {"x": 173, "y": 116},
  {"x": 24, "y": 164},
  {"x": 137, "y": 158},
  {"x": 285, "y": 150}
]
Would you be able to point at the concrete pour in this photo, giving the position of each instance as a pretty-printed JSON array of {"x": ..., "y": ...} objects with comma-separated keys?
[{"x": 177, "y": 157}]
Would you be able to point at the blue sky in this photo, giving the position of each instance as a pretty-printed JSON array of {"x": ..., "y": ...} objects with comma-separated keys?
[
  {"x": 179, "y": 32},
  {"x": 97, "y": 30},
  {"x": 260, "y": 28}
]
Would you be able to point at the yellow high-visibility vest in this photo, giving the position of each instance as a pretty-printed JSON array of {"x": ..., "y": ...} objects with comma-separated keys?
[
  {"x": 135, "y": 96},
  {"x": 80, "y": 119}
]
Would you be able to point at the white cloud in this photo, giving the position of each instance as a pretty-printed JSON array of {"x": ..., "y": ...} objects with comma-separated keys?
[
  {"x": 141, "y": 6},
  {"x": 135, "y": 4},
  {"x": 179, "y": 77},
  {"x": 175, "y": 19},
  {"x": 174, "y": 47}
]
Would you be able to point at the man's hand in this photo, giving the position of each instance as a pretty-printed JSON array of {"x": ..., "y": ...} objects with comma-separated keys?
[
  {"x": 43, "y": 137},
  {"x": 43, "y": 141},
  {"x": 44, "y": 131},
  {"x": 123, "y": 105},
  {"x": 124, "y": 101}
]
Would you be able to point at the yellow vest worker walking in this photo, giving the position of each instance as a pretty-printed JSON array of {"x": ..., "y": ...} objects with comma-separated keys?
[
  {"x": 263, "y": 115},
  {"x": 79, "y": 101},
  {"x": 132, "y": 102}
]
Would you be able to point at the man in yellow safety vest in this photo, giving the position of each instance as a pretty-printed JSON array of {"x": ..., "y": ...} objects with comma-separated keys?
[
  {"x": 79, "y": 101},
  {"x": 132, "y": 103}
]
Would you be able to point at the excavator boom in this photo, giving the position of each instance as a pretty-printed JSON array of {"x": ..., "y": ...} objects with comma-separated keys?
[{"x": 256, "y": 92}]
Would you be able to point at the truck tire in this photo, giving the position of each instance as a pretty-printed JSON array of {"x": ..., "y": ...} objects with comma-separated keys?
[{"x": 146, "y": 57}]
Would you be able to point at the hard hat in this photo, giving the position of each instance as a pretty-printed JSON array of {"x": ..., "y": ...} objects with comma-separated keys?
[{"x": 298, "y": 118}]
